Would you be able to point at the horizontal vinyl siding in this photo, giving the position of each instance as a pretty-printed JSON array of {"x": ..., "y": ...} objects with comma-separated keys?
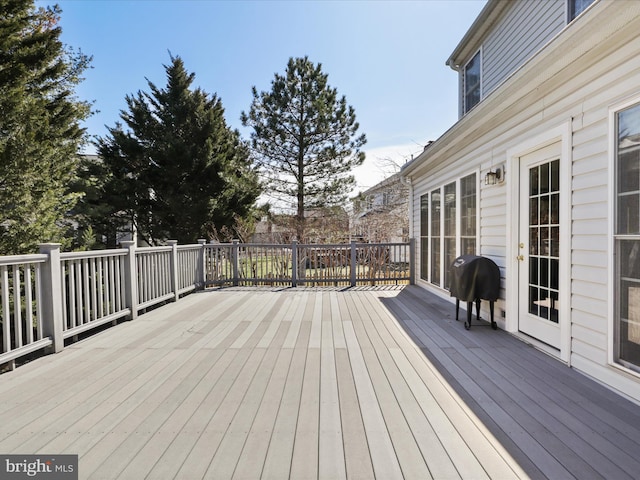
[
  {"x": 615, "y": 78},
  {"x": 522, "y": 31}
]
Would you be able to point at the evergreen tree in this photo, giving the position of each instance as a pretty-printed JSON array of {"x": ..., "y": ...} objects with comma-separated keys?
[
  {"x": 39, "y": 126},
  {"x": 305, "y": 139},
  {"x": 179, "y": 170},
  {"x": 101, "y": 213}
]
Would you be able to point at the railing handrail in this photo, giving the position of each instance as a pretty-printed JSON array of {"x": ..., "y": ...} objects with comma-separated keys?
[
  {"x": 162, "y": 248},
  {"x": 49, "y": 297},
  {"x": 116, "y": 252},
  {"x": 305, "y": 245},
  {"x": 9, "y": 260}
]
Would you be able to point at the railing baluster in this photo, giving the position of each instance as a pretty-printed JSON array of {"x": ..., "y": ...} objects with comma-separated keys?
[
  {"x": 38, "y": 285},
  {"x": 117, "y": 289},
  {"x": 108, "y": 279},
  {"x": 17, "y": 307},
  {"x": 72, "y": 295},
  {"x": 79, "y": 295},
  {"x": 28, "y": 303},
  {"x": 101, "y": 288},
  {"x": 6, "y": 312},
  {"x": 86, "y": 291},
  {"x": 113, "y": 284},
  {"x": 94, "y": 289}
]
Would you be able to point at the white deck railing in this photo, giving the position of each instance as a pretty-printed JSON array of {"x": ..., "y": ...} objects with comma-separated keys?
[
  {"x": 93, "y": 289},
  {"x": 21, "y": 329},
  {"x": 52, "y": 296},
  {"x": 308, "y": 265}
]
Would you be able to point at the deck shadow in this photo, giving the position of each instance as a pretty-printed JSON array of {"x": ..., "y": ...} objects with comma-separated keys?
[{"x": 553, "y": 420}]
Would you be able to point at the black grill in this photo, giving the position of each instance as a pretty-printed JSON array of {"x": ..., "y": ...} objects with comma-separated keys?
[{"x": 474, "y": 278}]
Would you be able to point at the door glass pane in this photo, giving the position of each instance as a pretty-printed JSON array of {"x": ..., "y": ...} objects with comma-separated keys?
[
  {"x": 555, "y": 176},
  {"x": 628, "y": 328},
  {"x": 534, "y": 188},
  {"x": 424, "y": 237},
  {"x": 449, "y": 229},
  {"x": 554, "y": 208},
  {"x": 468, "y": 246},
  {"x": 534, "y": 279},
  {"x": 424, "y": 215},
  {"x": 435, "y": 213},
  {"x": 435, "y": 261},
  {"x": 435, "y": 237},
  {"x": 544, "y": 248},
  {"x": 544, "y": 210},
  {"x": 449, "y": 257},
  {"x": 629, "y": 214},
  {"x": 534, "y": 235},
  {"x": 555, "y": 242},
  {"x": 544, "y": 178},
  {"x": 534, "y": 212},
  {"x": 468, "y": 215},
  {"x": 450, "y": 210}
]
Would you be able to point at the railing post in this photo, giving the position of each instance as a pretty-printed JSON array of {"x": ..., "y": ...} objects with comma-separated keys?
[
  {"x": 294, "y": 263},
  {"x": 354, "y": 263},
  {"x": 202, "y": 279},
  {"x": 412, "y": 261},
  {"x": 174, "y": 269},
  {"x": 131, "y": 277},
  {"x": 235, "y": 259},
  {"x": 52, "y": 296}
]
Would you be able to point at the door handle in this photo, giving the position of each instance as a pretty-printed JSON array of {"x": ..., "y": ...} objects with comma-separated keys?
[{"x": 520, "y": 258}]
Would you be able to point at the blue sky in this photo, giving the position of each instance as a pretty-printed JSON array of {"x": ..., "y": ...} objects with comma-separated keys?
[{"x": 386, "y": 57}]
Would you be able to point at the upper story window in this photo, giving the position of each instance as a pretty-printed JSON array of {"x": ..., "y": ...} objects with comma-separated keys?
[
  {"x": 576, "y": 7},
  {"x": 472, "y": 84}
]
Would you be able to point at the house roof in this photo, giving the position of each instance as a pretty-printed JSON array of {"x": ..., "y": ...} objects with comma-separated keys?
[
  {"x": 383, "y": 184},
  {"x": 474, "y": 37}
]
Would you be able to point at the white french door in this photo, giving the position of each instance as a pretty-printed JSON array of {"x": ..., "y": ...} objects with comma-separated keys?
[{"x": 540, "y": 313}]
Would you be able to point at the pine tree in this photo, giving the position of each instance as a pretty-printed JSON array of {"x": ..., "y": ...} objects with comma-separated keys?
[
  {"x": 179, "y": 169},
  {"x": 305, "y": 139},
  {"x": 39, "y": 126}
]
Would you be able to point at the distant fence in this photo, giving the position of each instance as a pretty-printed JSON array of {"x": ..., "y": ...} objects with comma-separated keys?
[
  {"x": 52, "y": 296},
  {"x": 309, "y": 265}
]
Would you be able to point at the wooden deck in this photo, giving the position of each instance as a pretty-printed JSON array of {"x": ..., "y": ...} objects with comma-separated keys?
[{"x": 302, "y": 383}]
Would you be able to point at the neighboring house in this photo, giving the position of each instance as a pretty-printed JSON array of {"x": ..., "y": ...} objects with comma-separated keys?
[
  {"x": 380, "y": 213},
  {"x": 542, "y": 174},
  {"x": 272, "y": 230},
  {"x": 323, "y": 225}
]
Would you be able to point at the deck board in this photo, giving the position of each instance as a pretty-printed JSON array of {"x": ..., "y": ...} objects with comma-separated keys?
[{"x": 333, "y": 383}]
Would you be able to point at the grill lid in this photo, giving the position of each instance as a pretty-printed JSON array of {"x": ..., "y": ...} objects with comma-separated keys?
[{"x": 473, "y": 277}]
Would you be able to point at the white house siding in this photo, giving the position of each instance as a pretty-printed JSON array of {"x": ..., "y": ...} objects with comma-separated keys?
[
  {"x": 581, "y": 95},
  {"x": 522, "y": 31}
]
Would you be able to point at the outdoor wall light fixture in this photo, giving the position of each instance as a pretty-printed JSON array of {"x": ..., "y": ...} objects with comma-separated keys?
[{"x": 493, "y": 177}]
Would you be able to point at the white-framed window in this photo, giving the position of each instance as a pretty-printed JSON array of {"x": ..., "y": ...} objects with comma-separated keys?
[
  {"x": 424, "y": 237},
  {"x": 448, "y": 227},
  {"x": 576, "y": 7},
  {"x": 472, "y": 82},
  {"x": 627, "y": 237}
]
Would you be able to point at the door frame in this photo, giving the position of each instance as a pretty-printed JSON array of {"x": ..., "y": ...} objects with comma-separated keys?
[{"x": 560, "y": 134}]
